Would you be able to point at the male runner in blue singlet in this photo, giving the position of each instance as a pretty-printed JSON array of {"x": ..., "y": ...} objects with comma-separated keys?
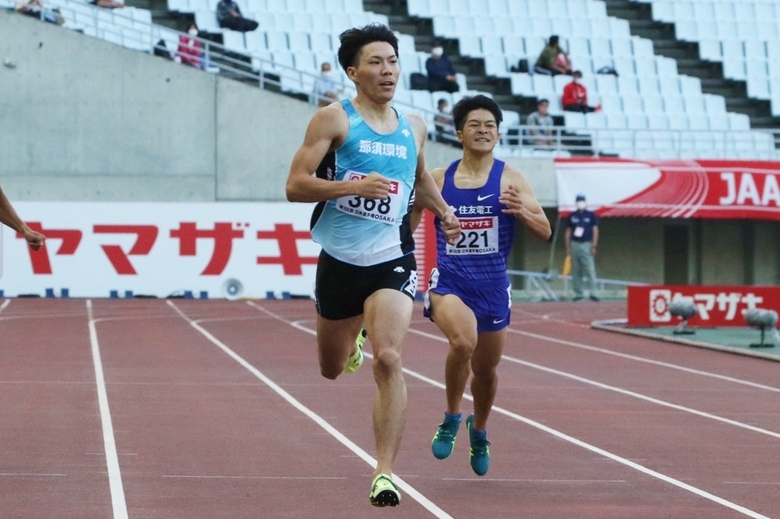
[
  {"x": 469, "y": 294},
  {"x": 368, "y": 160}
]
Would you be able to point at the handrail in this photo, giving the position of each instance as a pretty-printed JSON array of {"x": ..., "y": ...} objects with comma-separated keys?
[
  {"x": 541, "y": 283},
  {"x": 246, "y": 65},
  {"x": 516, "y": 139}
]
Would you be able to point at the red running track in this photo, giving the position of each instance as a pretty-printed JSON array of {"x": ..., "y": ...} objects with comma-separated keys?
[{"x": 211, "y": 409}]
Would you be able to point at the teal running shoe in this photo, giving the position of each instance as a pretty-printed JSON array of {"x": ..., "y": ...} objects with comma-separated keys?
[
  {"x": 444, "y": 439},
  {"x": 356, "y": 359},
  {"x": 480, "y": 448}
]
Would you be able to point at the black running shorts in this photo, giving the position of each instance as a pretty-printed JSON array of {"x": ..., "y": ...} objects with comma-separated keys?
[{"x": 341, "y": 289}]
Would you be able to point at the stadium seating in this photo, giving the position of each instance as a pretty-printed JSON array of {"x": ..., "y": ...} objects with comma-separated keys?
[
  {"x": 745, "y": 40},
  {"x": 648, "y": 95}
]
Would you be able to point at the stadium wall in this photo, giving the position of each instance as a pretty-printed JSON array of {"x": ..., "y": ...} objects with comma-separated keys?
[
  {"x": 92, "y": 121},
  {"x": 86, "y": 120}
]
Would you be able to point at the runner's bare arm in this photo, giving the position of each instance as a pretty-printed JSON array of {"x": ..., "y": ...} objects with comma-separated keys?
[
  {"x": 9, "y": 217},
  {"x": 520, "y": 201},
  {"x": 327, "y": 130},
  {"x": 427, "y": 193},
  {"x": 416, "y": 216}
]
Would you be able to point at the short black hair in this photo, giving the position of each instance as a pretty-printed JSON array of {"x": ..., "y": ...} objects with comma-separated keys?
[
  {"x": 542, "y": 101},
  {"x": 353, "y": 40},
  {"x": 553, "y": 40},
  {"x": 467, "y": 104}
]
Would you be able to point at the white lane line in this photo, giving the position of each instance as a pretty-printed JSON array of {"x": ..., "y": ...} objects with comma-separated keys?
[
  {"x": 636, "y": 466},
  {"x": 304, "y": 478},
  {"x": 645, "y": 360},
  {"x": 751, "y": 483},
  {"x": 563, "y": 481},
  {"x": 643, "y": 397},
  {"x": 118, "y": 502},
  {"x": 41, "y": 315},
  {"x": 5, "y": 303},
  {"x": 30, "y": 475},
  {"x": 622, "y": 391},
  {"x": 597, "y": 450},
  {"x": 408, "y": 489}
]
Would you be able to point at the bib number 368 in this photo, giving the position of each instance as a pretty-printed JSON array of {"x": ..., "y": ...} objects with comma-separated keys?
[{"x": 384, "y": 211}]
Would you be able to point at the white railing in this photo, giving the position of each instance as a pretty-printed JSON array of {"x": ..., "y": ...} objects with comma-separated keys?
[
  {"x": 644, "y": 143},
  {"x": 132, "y": 28},
  {"x": 553, "y": 287}
]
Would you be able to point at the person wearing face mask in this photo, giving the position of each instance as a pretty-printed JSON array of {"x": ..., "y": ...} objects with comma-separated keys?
[
  {"x": 445, "y": 129},
  {"x": 190, "y": 48},
  {"x": 582, "y": 236},
  {"x": 441, "y": 73},
  {"x": 575, "y": 96},
  {"x": 325, "y": 88}
]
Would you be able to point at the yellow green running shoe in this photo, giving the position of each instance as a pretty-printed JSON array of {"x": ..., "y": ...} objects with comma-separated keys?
[
  {"x": 384, "y": 492},
  {"x": 356, "y": 359}
]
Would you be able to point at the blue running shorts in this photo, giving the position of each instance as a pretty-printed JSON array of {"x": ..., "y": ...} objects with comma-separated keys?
[{"x": 490, "y": 301}]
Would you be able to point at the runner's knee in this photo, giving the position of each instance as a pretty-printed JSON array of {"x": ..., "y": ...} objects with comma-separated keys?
[{"x": 386, "y": 362}]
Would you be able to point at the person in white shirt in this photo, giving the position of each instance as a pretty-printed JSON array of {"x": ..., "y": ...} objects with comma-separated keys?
[{"x": 326, "y": 89}]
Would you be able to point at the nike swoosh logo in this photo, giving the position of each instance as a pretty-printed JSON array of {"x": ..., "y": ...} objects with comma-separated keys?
[
  {"x": 498, "y": 321},
  {"x": 481, "y": 198}
]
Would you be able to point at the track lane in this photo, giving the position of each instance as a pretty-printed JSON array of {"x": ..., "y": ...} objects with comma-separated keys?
[
  {"x": 195, "y": 432},
  {"x": 52, "y": 462},
  {"x": 438, "y": 363}
]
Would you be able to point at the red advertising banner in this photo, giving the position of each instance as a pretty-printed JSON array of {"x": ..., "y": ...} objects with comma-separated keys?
[
  {"x": 206, "y": 250},
  {"x": 671, "y": 188},
  {"x": 648, "y": 305}
]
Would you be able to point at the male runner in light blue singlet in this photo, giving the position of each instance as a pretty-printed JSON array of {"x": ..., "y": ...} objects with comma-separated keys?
[
  {"x": 368, "y": 160},
  {"x": 469, "y": 294}
]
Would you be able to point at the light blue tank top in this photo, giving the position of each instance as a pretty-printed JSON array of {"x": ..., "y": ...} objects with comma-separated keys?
[
  {"x": 368, "y": 232},
  {"x": 486, "y": 233}
]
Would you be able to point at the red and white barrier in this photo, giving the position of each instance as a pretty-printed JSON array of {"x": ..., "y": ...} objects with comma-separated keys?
[
  {"x": 200, "y": 250},
  {"x": 648, "y": 305},
  {"x": 671, "y": 188}
]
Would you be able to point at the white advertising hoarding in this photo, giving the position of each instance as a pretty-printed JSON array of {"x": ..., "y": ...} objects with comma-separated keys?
[{"x": 211, "y": 250}]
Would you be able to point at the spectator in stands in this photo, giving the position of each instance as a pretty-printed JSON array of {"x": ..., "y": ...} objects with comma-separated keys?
[
  {"x": 108, "y": 4},
  {"x": 35, "y": 9},
  {"x": 575, "y": 96},
  {"x": 445, "y": 128},
  {"x": 325, "y": 88},
  {"x": 553, "y": 60},
  {"x": 229, "y": 17},
  {"x": 190, "y": 48},
  {"x": 9, "y": 217},
  {"x": 441, "y": 73},
  {"x": 542, "y": 119}
]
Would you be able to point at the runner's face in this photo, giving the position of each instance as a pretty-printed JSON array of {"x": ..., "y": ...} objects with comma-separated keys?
[
  {"x": 480, "y": 131},
  {"x": 377, "y": 71}
]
